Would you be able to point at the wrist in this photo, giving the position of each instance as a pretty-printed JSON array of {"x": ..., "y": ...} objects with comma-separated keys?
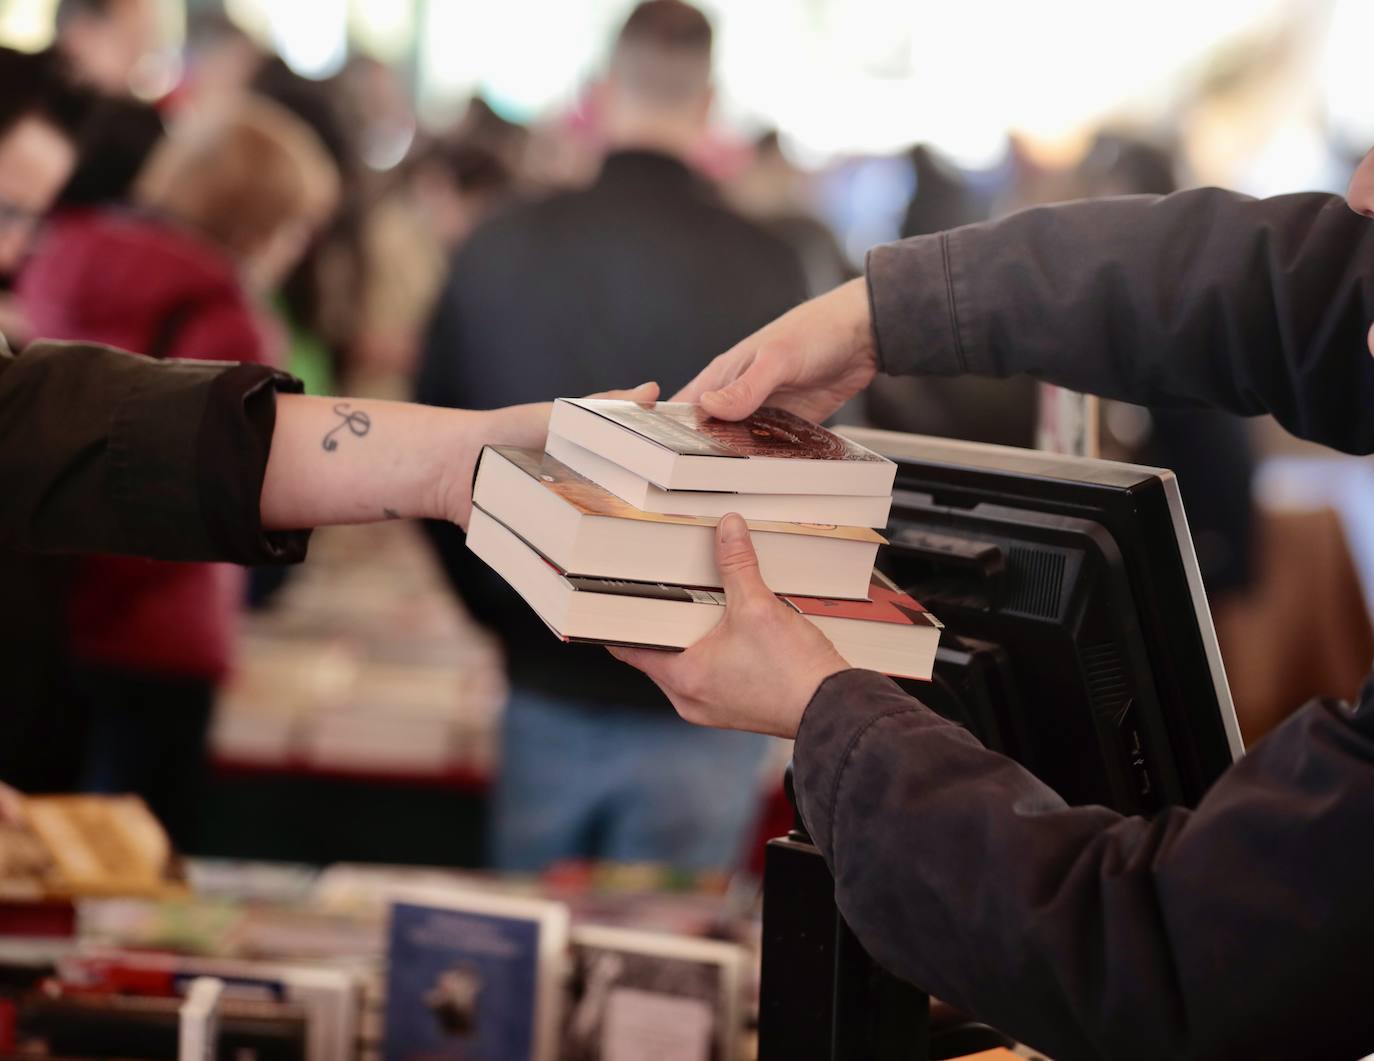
[
  {"x": 816, "y": 676},
  {"x": 453, "y": 446},
  {"x": 858, "y": 316}
]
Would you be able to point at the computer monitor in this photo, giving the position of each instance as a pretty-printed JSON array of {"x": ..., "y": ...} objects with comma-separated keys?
[
  {"x": 1078, "y": 637},
  {"x": 1077, "y": 640}
]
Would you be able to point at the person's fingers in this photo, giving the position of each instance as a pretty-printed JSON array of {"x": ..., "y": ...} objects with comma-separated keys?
[
  {"x": 645, "y": 392},
  {"x": 651, "y": 661},
  {"x": 720, "y": 370},
  {"x": 752, "y": 388},
  {"x": 738, "y": 563}
]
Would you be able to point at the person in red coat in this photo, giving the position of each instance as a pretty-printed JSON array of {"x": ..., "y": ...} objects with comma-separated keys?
[{"x": 222, "y": 210}]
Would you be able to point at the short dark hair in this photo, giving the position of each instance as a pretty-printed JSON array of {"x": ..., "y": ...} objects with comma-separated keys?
[
  {"x": 70, "y": 9},
  {"x": 663, "y": 51},
  {"x": 37, "y": 85},
  {"x": 668, "y": 25},
  {"x": 471, "y": 168}
]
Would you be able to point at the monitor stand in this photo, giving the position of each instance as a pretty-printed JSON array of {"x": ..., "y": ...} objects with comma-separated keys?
[{"x": 821, "y": 996}]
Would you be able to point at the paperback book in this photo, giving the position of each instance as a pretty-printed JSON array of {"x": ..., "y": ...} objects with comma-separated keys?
[
  {"x": 677, "y": 446},
  {"x": 634, "y": 995},
  {"x": 588, "y": 531},
  {"x": 845, "y": 510},
  {"x": 887, "y": 631},
  {"x": 473, "y": 977}
]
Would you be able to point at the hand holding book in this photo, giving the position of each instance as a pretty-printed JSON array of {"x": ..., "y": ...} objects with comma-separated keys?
[
  {"x": 760, "y": 666},
  {"x": 809, "y": 361}
]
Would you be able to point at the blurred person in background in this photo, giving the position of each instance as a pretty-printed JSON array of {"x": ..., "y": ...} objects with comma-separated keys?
[
  {"x": 432, "y": 204},
  {"x": 225, "y": 207},
  {"x": 643, "y": 273},
  {"x": 103, "y": 41},
  {"x": 776, "y": 193},
  {"x": 320, "y": 300},
  {"x": 40, "y": 116},
  {"x": 219, "y": 61}
]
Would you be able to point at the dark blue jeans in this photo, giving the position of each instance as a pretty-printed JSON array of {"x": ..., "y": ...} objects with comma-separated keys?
[{"x": 580, "y": 780}]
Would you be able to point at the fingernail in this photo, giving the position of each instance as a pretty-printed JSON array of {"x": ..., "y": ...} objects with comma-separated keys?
[{"x": 733, "y": 529}]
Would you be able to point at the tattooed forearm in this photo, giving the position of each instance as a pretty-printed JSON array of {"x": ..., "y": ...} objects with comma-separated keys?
[{"x": 359, "y": 423}]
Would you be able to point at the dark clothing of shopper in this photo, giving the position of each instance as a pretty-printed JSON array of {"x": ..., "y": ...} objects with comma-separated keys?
[
  {"x": 644, "y": 275},
  {"x": 1242, "y": 928},
  {"x": 107, "y": 452}
]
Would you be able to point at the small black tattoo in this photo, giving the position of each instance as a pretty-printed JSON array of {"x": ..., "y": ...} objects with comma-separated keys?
[
  {"x": 391, "y": 513},
  {"x": 359, "y": 423}
]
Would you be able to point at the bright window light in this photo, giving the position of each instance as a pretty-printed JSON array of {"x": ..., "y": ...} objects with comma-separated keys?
[{"x": 310, "y": 35}]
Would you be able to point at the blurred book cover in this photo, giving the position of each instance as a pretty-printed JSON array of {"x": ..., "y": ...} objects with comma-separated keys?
[{"x": 473, "y": 977}]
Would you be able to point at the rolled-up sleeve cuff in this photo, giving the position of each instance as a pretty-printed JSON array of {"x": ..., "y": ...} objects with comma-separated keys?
[
  {"x": 914, "y": 290},
  {"x": 233, "y": 447},
  {"x": 845, "y": 707},
  {"x": 188, "y": 450}
]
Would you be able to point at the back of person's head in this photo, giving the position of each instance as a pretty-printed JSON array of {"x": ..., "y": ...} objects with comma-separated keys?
[
  {"x": 35, "y": 85},
  {"x": 1123, "y": 164},
  {"x": 40, "y": 116},
  {"x": 252, "y": 178},
  {"x": 104, "y": 40},
  {"x": 458, "y": 185},
  {"x": 662, "y": 57}
]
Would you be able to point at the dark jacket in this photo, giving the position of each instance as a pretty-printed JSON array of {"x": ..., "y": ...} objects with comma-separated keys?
[
  {"x": 104, "y": 451},
  {"x": 643, "y": 276},
  {"x": 1242, "y": 928},
  {"x": 140, "y": 282}
]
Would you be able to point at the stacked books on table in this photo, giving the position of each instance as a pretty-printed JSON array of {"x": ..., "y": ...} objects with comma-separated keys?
[{"x": 610, "y": 533}]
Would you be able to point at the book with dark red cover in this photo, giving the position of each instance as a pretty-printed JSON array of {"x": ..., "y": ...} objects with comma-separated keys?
[{"x": 677, "y": 446}]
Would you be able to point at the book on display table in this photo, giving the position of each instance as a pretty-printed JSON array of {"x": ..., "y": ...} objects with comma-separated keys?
[{"x": 473, "y": 976}]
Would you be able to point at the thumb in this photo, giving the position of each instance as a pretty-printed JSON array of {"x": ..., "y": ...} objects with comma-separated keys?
[
  {"x": 737, "y": 562},
  {"x": 743, "y": 395}
]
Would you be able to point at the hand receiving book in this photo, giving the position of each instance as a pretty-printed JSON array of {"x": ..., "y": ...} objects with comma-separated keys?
[{"x": 617, "y": 540}]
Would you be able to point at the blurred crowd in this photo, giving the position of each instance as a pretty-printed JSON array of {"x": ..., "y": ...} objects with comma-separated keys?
[{"x": 251, "y": 214}]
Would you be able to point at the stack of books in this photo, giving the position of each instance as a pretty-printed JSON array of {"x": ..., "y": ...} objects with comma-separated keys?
[{"x": 610, "y": 533}]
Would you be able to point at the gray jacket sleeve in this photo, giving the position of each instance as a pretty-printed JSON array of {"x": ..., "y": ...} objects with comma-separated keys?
[
  {"x": 105, "y": 451},
  {"x": 1201, "y": 298},
  {"x": 1240, "y": 929}
]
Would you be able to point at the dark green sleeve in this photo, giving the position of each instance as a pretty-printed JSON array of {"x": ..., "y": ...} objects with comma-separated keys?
[
  {"x": 104, "y": 451},
  {"x": 1205, "y": 297}
]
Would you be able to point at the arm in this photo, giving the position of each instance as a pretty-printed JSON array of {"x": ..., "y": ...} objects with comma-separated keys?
[
  {"x": 1233, "y": 930},
  {"x": 358, "y": 461},
  {"x": 104, "y": 451},
  {"x": 1238, "y": 929},
  {"x": 1204, "y": 297}
]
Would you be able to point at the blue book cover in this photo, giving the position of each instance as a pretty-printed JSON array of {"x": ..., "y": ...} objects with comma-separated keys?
[{"x": 464, "y": 981}]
